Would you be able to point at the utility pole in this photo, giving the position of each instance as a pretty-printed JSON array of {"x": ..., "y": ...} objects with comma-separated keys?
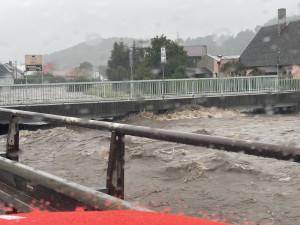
[
  {"x": 278, "y": 60},
  {"x": 16, "y": 69},
  {"x": 163, "y": 55},
  {"x": 131, "y": 75}
]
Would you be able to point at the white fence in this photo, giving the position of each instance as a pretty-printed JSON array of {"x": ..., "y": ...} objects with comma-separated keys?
[{"x": 28, "y": 94}]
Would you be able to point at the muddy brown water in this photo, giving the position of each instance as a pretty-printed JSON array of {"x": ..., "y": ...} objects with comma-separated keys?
[{"x": 181, "y": 179}]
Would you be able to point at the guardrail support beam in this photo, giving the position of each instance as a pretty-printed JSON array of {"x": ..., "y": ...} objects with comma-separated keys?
[
  {"x": 115, "y": 170},
  {"x": 12, "y": 144}
]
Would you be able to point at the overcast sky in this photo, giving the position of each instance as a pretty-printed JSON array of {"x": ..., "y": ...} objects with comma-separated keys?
[{"x": 43, "y": 27}]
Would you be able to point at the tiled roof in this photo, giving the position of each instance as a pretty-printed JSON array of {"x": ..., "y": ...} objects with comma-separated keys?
[
  {"x": 3, "y": 70},
  {"x": 11, "y": 68},
  {"x": 224, "y": 57},
  {"x": 262, "y": 51}
]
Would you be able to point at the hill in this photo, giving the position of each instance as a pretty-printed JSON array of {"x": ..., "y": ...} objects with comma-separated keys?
[{"x": 98, "y": 51}]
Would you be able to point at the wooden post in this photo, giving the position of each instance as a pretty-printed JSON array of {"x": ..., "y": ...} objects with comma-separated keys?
[
  {"x": 12, "y": 144},
  {"x": 115, "y": 170}
]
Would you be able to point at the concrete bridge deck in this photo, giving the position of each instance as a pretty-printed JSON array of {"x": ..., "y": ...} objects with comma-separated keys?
[{"x": 96, "y": 110}]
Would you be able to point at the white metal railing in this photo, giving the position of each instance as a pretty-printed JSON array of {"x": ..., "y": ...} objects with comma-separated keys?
[
  {"x": 28, "y": 94},
  {"x": 6, "y": 81}
]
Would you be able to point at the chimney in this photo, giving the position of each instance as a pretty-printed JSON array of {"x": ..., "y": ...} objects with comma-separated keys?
[
  {"x": 281, "y": 20},
  {"x": 10, "y": 63}
]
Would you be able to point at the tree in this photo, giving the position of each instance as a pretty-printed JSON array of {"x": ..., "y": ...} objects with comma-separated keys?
[
  {"x": 86, "y": 69},
  {"x": 179, "y": 73},
  {"x": 176, "y": 56},
  {"x": 233, "y": 69},
  {"x": 143, "y": 73},
  {"x": 86, "y": 65},
  {"x": 118, "y": 63},
  {"x": 146, "y": 61}
]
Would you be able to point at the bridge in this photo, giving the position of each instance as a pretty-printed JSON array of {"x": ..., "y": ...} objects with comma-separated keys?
[{"x": 102, "y": 99}]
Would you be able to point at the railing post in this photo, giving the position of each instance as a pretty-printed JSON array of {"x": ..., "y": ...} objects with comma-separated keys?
[
  {"x": 12, "y": 144},
  {"x": 115, "y": 170},
  {"x": 26, "y": 94},
  {"x": 277, "y": 87},
  {"x": 104, "y": 94},
  {"x": 249, "y": 85}
]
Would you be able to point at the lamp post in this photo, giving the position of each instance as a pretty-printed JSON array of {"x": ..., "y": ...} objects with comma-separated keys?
[
  {"x": 131, "y": 75},
  {"x": 219, "y": 65},
  {"x": 278, "y": 60},
  {"x": 163, "y": 62},
  {"x": 219, "y": 62}
]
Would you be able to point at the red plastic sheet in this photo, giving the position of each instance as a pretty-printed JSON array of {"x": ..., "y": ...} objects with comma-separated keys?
[{"x": 104, "y": 217}]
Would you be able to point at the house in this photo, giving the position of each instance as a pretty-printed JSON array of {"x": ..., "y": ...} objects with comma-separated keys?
[
  {"x": 196, "y": 52},
  {"x": 214, "y": 63},
  {"x": 5, "y": 77},
  {"x": 9, "y": 70},
  {"x": 70, "y": 72},
  {"x": 48, "y": 68},
  {"x": 275, "y": 49},
  {"x": 4, "y": 72}
]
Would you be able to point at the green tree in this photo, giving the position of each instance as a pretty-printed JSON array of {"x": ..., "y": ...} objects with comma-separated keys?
[
  {"x": 118, "y": 63},
  {"x": 119, "y": 73},
  {"x": 179, "y": 73},
  {"x": 176, "y": 56},
  {"x": 86, "y": 69},
  {"x": 86, "y": 65},
  {"x": 146, "y": 61},
  {"x": 143, "y": 73},
  {"x": 233, "y": 69}
]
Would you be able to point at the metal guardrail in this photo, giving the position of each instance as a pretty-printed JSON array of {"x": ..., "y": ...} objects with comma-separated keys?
[
  {"x": 6, "y": 81},
  {"x": 28, "y": 189},
  {"x": 29, "y": 94},
  {"x": 115, "y": 172}
]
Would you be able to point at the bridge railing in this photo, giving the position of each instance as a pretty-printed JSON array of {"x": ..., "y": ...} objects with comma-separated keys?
[
  {"x": 28, "y": 94},
  {"x": 6, "y": 80}
]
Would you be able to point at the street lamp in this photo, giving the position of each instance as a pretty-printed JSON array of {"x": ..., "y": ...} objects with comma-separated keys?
[
  {"x": 131, "y": 75},
  {"x": 278, "y": 60},
  {"x": 219, "y": 65},
  {"x": 163, "y": 61}
]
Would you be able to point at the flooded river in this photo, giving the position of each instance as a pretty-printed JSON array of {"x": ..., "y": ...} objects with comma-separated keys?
[{"x": 181, "y": 179}]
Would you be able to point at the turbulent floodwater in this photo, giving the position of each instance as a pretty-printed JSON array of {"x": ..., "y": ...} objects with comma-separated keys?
[{"x": 180, "y": 179}]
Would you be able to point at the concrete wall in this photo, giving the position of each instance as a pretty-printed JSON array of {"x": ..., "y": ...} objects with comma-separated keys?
[{"x": 113, "y": 109}]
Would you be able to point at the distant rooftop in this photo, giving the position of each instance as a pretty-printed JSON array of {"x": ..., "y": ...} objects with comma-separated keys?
[
  {"x": 224, "y": 57},
  {"x": 195, "y": 50}
]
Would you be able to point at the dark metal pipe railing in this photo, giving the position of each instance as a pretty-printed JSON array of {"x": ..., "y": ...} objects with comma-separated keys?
[
  {"x": 88, "y": 196},
  {"x": 228, "y": 144}
]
